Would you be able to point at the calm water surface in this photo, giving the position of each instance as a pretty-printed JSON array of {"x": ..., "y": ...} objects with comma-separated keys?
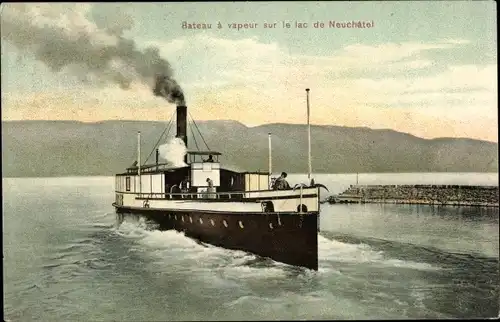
[{"x": 65, "y": 259}]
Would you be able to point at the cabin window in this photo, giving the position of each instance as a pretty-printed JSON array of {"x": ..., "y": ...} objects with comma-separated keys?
[{"x": 127, "y": 183}]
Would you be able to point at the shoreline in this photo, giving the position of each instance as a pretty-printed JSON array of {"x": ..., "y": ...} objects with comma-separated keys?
[
  {"x": 420, "y": 202},
  {"x": 437, "y": 195}
]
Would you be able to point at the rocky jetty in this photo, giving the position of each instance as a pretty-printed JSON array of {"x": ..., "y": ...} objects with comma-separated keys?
[{"x": 456, "y": 195}]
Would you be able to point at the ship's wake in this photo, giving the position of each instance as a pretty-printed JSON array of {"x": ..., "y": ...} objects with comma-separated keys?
[{"x": 333, "y": 252}]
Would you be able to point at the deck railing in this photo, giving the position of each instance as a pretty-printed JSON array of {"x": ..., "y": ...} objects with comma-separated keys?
[
  {"x": 191, "y": 195},
  {"x": 204, "y": 194}
]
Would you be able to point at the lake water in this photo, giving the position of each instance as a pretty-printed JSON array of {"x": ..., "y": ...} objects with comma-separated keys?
[{"x": 65, "y": 259}]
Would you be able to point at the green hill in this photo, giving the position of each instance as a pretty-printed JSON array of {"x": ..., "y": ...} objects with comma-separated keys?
[{"x": 63, "y": 148}]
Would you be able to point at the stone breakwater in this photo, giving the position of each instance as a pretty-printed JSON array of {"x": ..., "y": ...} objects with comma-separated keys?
[{"x": 485, "y": 196}]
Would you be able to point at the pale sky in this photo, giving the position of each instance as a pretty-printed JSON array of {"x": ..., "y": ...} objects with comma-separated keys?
[{"x": 424, "y": 68}]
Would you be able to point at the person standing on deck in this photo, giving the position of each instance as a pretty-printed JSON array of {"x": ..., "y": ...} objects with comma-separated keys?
[
  {"x": 184, "y": 185},
  {"x": 211, "y": 189}
]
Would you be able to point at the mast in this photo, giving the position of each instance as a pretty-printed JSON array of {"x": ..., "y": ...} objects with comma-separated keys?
[
  {"x": 270, "y": 161},
  {"x": 139, "y": 159},
  {"x": 308, "y": 137},
  {"x": 270, "y": 156}
]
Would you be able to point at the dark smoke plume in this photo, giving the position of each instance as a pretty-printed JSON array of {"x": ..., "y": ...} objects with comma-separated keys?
[
  {"x": 60, "y": 36},
  {"x": 168, "y": 88}
]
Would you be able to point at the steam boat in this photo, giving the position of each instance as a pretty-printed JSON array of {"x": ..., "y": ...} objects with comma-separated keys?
[{"x": 213, "y": 204}]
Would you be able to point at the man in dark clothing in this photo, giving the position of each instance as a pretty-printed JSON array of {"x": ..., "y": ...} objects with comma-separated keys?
[
  {"x": 281, "y": 183},
  {"x": 184, "y": 186}
]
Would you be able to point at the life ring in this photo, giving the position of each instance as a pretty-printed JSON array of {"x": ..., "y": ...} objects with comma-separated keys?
[{"x": 304, "y": 208}]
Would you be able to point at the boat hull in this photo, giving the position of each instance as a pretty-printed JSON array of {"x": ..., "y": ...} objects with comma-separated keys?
[{"x": 290, "y": 238}]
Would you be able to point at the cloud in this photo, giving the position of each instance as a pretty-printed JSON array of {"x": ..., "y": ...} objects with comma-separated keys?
[
  {"x": 247, "y": 75},
  {"x": 256, "y": 82},
  {"x": 253, "y": 62},
  {"x": 391, "y": 52},
  {"x": 64, "y": 39},
  {"x": 468, "y": 92}
]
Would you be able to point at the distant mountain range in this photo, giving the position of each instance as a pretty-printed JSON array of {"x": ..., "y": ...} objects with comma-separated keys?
[{"x": 66, "y": 148}]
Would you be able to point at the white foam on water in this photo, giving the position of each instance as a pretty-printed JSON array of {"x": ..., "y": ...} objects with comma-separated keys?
[
  {"x": 130, "y": 230},
  {"x": 241, "y": 258},
  {"x": 332, "y": 250},
  {"x": 168, "y": 240},
  {"x": 254, "y": 300},
  {"x": 244, "y": 271},
  {"x": 99, "y": 214},
  {"x": 173, "y": 246},
  {"x": 99, "y": 225},
  {"x": 411, "y": 264},
  {"x": 257, "y": 307},
  {"x": 296, "y": 306}
]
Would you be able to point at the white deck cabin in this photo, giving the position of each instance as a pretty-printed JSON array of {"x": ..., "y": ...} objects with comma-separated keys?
[{"x": 159, "y": 186}]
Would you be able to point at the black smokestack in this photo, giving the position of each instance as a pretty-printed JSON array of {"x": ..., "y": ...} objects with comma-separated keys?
[
  {"x": 182, "y": 125},
  {"x": 157, "y": 155},
  {"x": 62, "y": 37}
]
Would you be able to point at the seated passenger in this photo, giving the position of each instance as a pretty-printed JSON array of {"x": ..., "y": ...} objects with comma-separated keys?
[{"x": 280, "y": 183}]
